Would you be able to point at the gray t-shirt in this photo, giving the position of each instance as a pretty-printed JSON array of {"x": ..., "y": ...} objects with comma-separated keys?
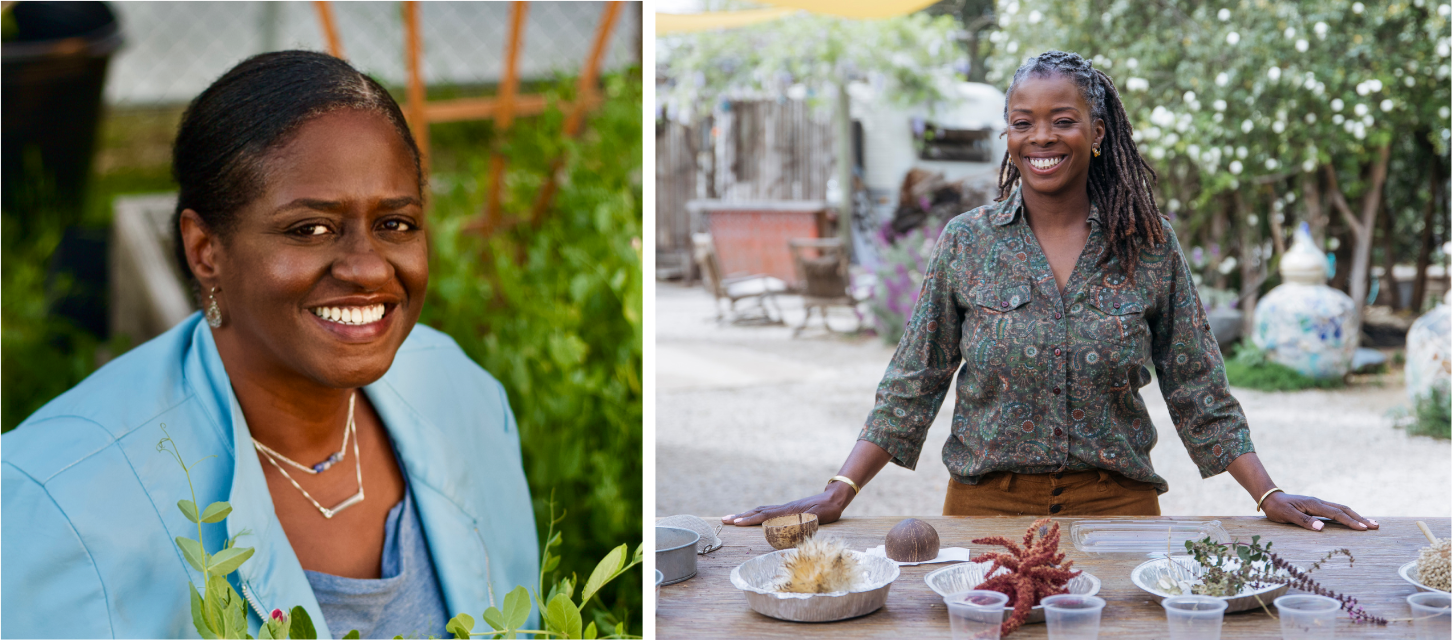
[{"x": 406, "y": 601}]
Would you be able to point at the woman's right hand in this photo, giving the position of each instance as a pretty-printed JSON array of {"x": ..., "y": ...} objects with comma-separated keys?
[{"x": 828, "y": 505}]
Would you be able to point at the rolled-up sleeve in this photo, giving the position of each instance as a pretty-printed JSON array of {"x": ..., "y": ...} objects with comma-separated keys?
[
  {"x": 1192, "y": 375},
  {"x": 922, "y": 369}
]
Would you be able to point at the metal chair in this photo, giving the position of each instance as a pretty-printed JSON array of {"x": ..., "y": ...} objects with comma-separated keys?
[
  {"x": 757, "y": 287},
  {"x": 825, "y": 278}
]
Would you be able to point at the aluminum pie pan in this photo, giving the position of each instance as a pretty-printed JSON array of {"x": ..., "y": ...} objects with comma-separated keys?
[
  {"x": 962, "y": 577},
  {"x": 755, "y": 577},
  {"x": 1144, "y": 576},
  {"x": 1409, "y": 573},
  {"x": 676, "y": 553}
]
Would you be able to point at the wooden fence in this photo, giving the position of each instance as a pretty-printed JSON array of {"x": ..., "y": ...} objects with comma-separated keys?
[{"x": 756, "y": 150}]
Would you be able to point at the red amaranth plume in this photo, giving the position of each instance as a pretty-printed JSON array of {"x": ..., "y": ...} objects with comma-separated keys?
[{"x": 1034, "y": 572}]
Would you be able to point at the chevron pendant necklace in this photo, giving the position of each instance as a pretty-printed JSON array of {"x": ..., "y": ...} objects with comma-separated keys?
[{"x": 349, "y": 429}]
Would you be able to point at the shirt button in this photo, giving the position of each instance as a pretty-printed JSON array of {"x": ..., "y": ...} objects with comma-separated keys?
[
  {"x": 1056, "y": 315},
  {"x": 1056, "y": 351},
  {"x": 1056, "y": 492},
  {"x": 1117, "y": 305},
  {"x": 1054, "y": 509},
  {"x": 1056, "y": 391},
  {"x": 1003, "y": 303},
  {"x": 1058, "y": 432}
]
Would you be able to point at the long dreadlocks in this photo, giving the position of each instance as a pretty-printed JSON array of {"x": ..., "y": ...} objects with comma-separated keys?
[{"x": 1120, "y": 181}]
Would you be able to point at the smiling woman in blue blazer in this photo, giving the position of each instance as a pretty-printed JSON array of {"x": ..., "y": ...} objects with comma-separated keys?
[{"x": 300, "y": 220}]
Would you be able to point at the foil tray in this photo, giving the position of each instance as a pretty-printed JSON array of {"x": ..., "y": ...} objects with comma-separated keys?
[
  {"x": 962, "y": 577},
  {"x": 1145, "y": 575},
  {"x": 756, "y": 576}
]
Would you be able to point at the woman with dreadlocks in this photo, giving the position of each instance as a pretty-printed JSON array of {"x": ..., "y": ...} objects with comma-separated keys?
[{"x": 1049, "y": 304}]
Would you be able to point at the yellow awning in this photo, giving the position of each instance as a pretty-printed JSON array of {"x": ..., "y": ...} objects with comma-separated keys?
[
  {"x": 667, "y": 23},
  {"x": 861, "y": 9}
]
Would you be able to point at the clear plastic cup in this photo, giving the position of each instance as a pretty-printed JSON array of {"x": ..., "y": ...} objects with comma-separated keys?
[
  {"x": 1072, "y": 616},
  {"x": 1193, "y": 616},
  {"x": 1307, "y": 616},
  {"x": 976, "y": 614},
  {"x": 1432, "y": 616}
]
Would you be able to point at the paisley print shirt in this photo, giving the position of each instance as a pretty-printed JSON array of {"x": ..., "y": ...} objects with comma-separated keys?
[{"x": 1049, "y": 382}]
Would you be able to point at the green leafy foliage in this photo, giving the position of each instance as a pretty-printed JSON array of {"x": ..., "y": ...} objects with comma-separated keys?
[
  {"x": 1251, "y": 368},
  {"x": 1430, "y": 415},
  {"x": 553, "y": 310}
]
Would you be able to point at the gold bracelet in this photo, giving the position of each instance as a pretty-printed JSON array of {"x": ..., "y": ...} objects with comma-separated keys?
[
  {"x": 847, "y": 480},
  {"x": 1268, "y": 493}
]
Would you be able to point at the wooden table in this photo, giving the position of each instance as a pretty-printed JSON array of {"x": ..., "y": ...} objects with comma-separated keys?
[{"x": 708, "y": 606}]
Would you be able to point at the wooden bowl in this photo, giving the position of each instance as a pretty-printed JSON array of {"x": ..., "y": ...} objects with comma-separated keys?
[{"x": 785, "y": 532}]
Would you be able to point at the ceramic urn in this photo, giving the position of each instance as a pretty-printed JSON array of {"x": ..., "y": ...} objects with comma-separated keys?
[
  {"x": 1429, "y": 358},
  {"x": 1303, "y": 323}
]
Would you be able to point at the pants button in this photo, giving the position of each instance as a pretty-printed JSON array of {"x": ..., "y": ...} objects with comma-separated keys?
[
  {"x": 1054, "y": 509},
  {"x": 1057, "y": 491}
]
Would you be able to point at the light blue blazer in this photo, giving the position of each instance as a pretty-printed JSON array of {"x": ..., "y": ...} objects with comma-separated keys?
[{"x": 90, "y": 506}]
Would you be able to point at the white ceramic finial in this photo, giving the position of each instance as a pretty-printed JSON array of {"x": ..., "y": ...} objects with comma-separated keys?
[{"x": 1303, "y": 262}]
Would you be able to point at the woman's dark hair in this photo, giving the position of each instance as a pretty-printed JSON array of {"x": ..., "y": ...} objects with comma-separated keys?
[
  {"x": 1120, "y": 180},
  {"x": 228, "y": 131}
]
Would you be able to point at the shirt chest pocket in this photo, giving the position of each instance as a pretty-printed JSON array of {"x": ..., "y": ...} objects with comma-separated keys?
[
  {"x": 999, "y": 320},
  {"x": 1115, "y": 316}
]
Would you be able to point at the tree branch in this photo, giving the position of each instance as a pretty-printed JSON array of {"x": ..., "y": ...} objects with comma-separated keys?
[{"x": 1340, "y": 203}]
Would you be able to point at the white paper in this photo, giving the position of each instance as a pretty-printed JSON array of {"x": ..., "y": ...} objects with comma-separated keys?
[{"x": 945, "y": 555}]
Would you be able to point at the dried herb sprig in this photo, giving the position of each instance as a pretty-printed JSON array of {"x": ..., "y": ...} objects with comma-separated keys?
[{"x": 1259, "y": 567}]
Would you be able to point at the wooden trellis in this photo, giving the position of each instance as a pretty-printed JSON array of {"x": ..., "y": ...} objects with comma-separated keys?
[{"x": 502, "y": 108}]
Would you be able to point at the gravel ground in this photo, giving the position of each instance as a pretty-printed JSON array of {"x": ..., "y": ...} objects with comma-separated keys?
[{"x": 750, "y": 416}]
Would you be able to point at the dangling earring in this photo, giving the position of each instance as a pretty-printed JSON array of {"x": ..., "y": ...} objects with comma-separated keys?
[
  {"x": 213, "y": 313},
  {"x": 1097, "y": 151}
]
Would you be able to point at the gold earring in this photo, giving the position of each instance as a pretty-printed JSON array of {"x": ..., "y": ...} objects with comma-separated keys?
[{"x": 1097, "y": 152}]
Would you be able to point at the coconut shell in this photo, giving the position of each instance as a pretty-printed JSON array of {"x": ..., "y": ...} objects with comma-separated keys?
[{"x": 912, "y": 541}]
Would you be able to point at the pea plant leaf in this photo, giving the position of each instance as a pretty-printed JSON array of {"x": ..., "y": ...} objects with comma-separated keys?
[
  {"x": 189, "y": 510},
  {"x": 230, "y": 559},
  {"x": 563, "y": 617},
  {"x": 197, "y": 619},
  {"x": 353, "y": 634},
  {"x": 589, "y": 631},
  {"x": 495, "y": 618},
  {"x": 192, "y": 550},
  {"x": 302, "y": 625},
  {"x": 214, "y": 512},
  {"x": 460, "y": 626},
  {"x": 604, "y": 571},
  {"x": 517, "y": 608}
]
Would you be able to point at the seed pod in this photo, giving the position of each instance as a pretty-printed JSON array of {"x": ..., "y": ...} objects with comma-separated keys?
[{"x": 912, "y": 541}]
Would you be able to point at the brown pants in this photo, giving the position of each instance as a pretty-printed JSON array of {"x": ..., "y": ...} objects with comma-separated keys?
[{"x": 1089, "y": 493}]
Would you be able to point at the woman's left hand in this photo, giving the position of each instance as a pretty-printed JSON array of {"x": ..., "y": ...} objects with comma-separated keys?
[{"x": 1281, "y": 507}]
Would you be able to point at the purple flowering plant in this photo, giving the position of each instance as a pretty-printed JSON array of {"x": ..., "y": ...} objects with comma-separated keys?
[
  {"x": 899, "y": 278},
  {"x": 219, "y": 612}
]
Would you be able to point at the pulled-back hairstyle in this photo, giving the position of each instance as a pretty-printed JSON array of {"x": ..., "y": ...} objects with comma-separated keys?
[
  {"x": 1120, "y": 180},
  {"x": 228, "y": 131}
]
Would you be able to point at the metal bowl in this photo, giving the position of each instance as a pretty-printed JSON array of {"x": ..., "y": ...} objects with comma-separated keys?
[
  {"x": 1145, "y": 575},
  {"x": 676, "y": 553},
  {"x": 756, "y": 577},
  {"x": 962, "y": 577},
  {"x": 1409, "y": 573}
]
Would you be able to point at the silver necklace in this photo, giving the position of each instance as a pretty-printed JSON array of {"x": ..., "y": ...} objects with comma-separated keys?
[{"x": 328, "y": 513}]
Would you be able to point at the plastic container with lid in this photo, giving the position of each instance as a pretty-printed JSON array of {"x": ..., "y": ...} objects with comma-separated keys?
[{"x": 1142, "y": 537}]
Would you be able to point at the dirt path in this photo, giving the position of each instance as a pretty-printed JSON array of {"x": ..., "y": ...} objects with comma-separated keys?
[{"x": 748, "y": 416}]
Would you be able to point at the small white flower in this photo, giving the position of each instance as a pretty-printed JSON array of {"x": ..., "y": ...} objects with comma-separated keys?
[
  {"x": 1360, "y": 131},
  {"x": 1274, "y": 73},
  {"x": 1216, "y": 118},
  {"x": 1035, "y": 16},
  {"x": 1445, "y": 132},
  {"x": 1132, "y": 63},
  {"x": 1363, "y": 89},
  {"x": 1290, "y": 33},
  {"x": 1224, "y": 14},
  {"x": 1443, "y": 112},
  {"x": 1171, "y": 139},
  {"x": 1308, "y": 165},
  {"x": 1157, "y": 153},
  {"x": 1189, "y": 96},
  {"x": 1310, "y": 118},
  {"x": 1442, "y": 72},
  {"x": 1252, "y": 219},
  {"x": 1152, "y": 133},
  {"x": 1235, "y": 168},
  {"x": 1012, "y": 47},
  {"x": 1321, "y": 30},
  {"x": 1337, "y": 119},
  {"x": 1195, "y": 105},
  {"x": 1302, "y": 44},
  {"x": 1360, "y": 109},
  {"x": 1311, "y": 82},
  {"x": 1222, "y": 78},
  {"x": 1219, "y": 105},
  {"x": 1319, "y": 88},
  {"x": 1278, "y": 127},
  {"x": 1336, "y": 104},
  {"x": 1233, "y": 38},
  {"x": 1194, "y": 150},
  {"x": 1368, "y": 120},
  {"x": 1386, "y": 104},
  {"x": 1442, "y": 48},
  {"x": 1443, "y": 10},
  {"x": 1409, "y": 81},
  {"x": 1137, "y": 84},
  {"x": 1271, "y": 164},
  {"x": 1174, "y": 204},
  {"x": 1333, "y": 243},
  {"x": 1246, "y": 126},
  {"x": 1012, "y": 9},
  {"x": 1241, "y": 152},
  {"x": 1357, "y": 7}
]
